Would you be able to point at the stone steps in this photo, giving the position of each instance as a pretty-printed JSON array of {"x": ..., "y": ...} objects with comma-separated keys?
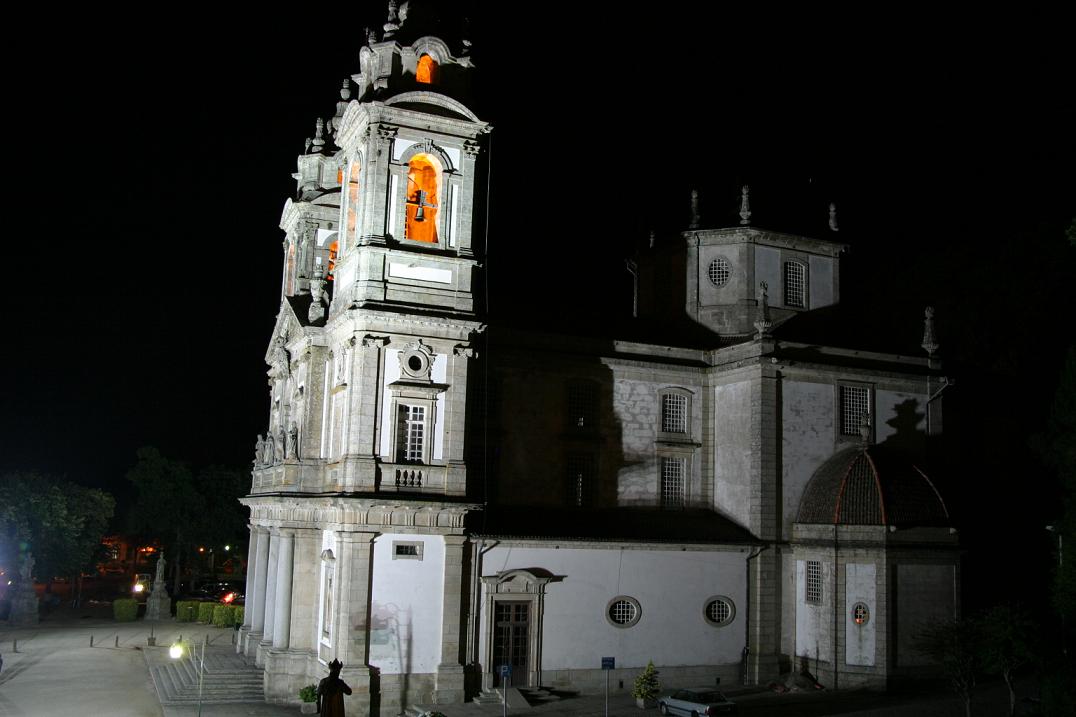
[{"x": 227, "y": 678}]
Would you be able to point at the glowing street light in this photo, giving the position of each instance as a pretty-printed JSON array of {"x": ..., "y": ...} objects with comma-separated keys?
[{"x": 176, "y": 651}]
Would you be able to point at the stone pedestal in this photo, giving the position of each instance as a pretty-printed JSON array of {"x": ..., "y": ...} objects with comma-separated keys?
[
  {"x": 157, "y": 604},
  {"x": 23, "y": 606}
]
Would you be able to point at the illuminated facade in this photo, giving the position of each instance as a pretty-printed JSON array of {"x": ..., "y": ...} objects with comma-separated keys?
[{"x": 435, "y": 498}]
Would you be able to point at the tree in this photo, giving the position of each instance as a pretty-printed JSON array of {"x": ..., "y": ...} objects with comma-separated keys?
[
  {"x": 954, "y": 646},
  {"x": 1006, "y": 634},
  {"x": 646, "y": 685},
  {"x": 181, "y": 508},
  {"x": 60, "y": 522}
]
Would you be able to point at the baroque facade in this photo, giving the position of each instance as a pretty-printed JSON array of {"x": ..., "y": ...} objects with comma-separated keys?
[{"x": 437, "y": 497}]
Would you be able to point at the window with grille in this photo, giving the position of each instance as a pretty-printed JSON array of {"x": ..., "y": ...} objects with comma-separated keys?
[
  {"x": 860, "y": 613},
  {"x": 411, "y": 433},
  {"x": 673, "y": 472},
  {"x": 406, "y": 550},
  {"x": 582, "y": 406},
  {"x": 814, "y": 582},
  {"x": 673, "y": 413},
  {"x": 855, "y": 405},
  {"x": 623, "y": 611},
  {"x": 719, "y": 271},
  {"x": 795, "y": 275},
  {"x": 580, "y": 478},
  {"x": 718, "y": 610}
]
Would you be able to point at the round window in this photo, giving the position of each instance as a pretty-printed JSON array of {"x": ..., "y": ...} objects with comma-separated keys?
[
  {"x": 719, "y": 610},
  {"x": 860, "y": 613},
  {"x": 414, "y": 363},
  {"x": 719, "y": 271},
  {"x": 623, "y": 611}
]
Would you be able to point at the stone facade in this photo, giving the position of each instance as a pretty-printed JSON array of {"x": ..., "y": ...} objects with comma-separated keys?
[{"x": 435, "y": 498}]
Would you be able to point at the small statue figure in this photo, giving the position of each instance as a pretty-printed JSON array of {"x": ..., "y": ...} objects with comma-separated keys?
[
  {"x": 280, "y": 355},
  {"x": 270, "y": 450},
  {"x": 159, "y": 578},
  {"x": 280, "y": 445},
  {"x": 331, "y": 691},
  {"x": 745, "y": 206},
  {"x": 763, "y": 323},
  {"x": 316, "y": 312},
  {"x": 371, "y": 36},
  {"x": 259, "y": 451},
  {"x": 292, "y": 441}
]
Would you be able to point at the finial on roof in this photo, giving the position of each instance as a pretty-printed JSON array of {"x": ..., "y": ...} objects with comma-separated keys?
[
  {"x": 930, "y": 340},
  {"x": 865, "y": 428},
  {"x": 405, "y": 7},
  {"x": 762, "y": 322},
  {"x": 745, "y": 206},
  {"x": 694, "y": 210},
  {"x": 833, "y": 217},
  {"x": 345, "y": 89},
  {"x": 391, "y": 25},
  {"x": 653, "y": 238},
  {"x": 319, "y": 135}
]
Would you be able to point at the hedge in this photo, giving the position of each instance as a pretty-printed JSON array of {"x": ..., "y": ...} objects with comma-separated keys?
[
  {"x": 187, "y": 610},
  {"x": 239, "y": 614},
  {"x": 223, "y": 616},
  {"x": 205, "y": 612},
  {"x": 125, "y": 609}
]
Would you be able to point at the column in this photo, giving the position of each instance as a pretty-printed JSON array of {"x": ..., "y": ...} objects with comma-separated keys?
[
  {"x": 260, "y": 569},
  {"x": 450, "y": 671},
  {"x": 282, "y": 603},
  {"x": 351, "y": 621},
  {"x": 270, "y": 588},
  {"x": 305, "y": 590}
]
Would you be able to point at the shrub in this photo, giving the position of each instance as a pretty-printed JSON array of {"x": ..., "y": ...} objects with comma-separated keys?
[
  {"x": 205, "y": 612},
  {"x": 186, "y": 610},
  {"x": 125, "y": 609},
  {"x": 309, "y": 693},
  {"x": 223, "y": 616},
  {"x": 239, "y": 614},
  {"x": 646, "y": 685}
]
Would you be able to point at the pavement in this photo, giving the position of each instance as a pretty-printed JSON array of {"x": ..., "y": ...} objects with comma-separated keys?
[{"x": 56, "y": 671}]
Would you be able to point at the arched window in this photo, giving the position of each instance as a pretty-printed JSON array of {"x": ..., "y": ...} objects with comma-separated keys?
[
  {"x": 333, "y": 249},
  {"x": 352, "y": 201},
  {"x": 423, "y": 198},
  {"x": 426, "y": 70}
]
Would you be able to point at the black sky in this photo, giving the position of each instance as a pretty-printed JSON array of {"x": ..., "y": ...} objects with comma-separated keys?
[{"x": 156, "y": 153}]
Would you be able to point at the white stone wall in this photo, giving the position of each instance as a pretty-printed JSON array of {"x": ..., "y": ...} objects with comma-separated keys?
[
  {"x": 814, "y": 622},
  {"x": 671, "y": 586},
  {"x": 807, "y": 424},
  {"x": 732, "y": 450},
  {"x": 405, "y": 606},
  {"x": 859, "y": 641}
]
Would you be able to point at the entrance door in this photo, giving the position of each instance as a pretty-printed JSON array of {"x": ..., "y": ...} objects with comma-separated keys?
[{"x": 511, "y": 627}]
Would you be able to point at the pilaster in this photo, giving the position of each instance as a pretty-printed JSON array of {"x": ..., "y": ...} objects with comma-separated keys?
[
  {"x": 282, "y": 603},
  {"x": 257, "y": 573},
  {"x": 269, "y": 620},
  {"x": 450, "y": 680},
  {"x": 351, "y": 622}
]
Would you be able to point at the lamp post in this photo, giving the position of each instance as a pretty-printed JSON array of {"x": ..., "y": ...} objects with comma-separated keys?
[
  {"x": 1060, "y": 566},
  {"x": 176, "y": 652}
]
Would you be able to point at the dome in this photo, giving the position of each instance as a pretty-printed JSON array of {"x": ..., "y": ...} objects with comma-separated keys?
[{"x": 871, "y": 486}]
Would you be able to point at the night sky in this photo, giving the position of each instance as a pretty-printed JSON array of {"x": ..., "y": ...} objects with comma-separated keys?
[{"x": 157, "y": 155}]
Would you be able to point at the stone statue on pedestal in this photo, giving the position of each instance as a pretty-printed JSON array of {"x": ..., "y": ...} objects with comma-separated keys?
[
  {"x": 24, "y": 605},
  {"x": 157, "y": 604}
]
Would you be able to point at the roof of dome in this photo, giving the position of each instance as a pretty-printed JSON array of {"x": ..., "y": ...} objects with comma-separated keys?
[{"x": 871, "y": 486}]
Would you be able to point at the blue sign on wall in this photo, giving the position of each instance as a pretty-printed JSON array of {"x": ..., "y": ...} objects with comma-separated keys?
[
  {"x": 608, "y": 663},
  {"x": 506, "y": 670}
]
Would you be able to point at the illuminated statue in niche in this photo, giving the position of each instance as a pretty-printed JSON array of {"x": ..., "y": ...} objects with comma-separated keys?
[
  {"x": 333, "y": 249},
  {"x": 422, "y": 200}
]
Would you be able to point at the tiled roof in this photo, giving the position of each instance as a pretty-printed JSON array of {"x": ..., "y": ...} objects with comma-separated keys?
[{"x": 871, "y": 486}]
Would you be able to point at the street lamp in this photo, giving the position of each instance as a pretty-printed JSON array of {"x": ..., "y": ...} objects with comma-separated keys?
[
  {"x": 1060, "y": 566},
  {"x": 176, "y": 652}
]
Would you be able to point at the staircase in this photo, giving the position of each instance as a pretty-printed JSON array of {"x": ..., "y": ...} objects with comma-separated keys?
[{"x": 227, "y": 678}]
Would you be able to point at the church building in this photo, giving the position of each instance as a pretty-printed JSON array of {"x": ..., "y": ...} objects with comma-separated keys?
[{"x": 448, "y": 505}]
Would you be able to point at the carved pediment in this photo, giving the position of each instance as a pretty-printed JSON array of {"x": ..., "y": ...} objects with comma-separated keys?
[
  {"x": 287, "y": 325},
  {"x": 518, "y": 581}
]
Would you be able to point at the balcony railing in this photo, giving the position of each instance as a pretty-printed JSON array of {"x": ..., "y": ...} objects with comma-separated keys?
[{"x": 406, "y": 477}]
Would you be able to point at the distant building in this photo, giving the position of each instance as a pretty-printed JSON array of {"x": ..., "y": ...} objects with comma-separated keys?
[{"x": 716, "y": 490}]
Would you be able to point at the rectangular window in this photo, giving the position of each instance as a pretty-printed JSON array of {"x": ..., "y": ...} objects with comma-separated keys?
[
  {"x": 673, "y": 413},
  {"x": 582, "y": 406},
  {"x": 855, "y": 405},
  {"x": 580, "y": 479},
  {"x": 411, "y": 434},
  {"x": 795, "y": 276},
  {"x": 406, "y": 550},
  {"x": 813, "y": 593},
  {"x": 327, "y": 603},
  {"x": 673, "y": 471}
]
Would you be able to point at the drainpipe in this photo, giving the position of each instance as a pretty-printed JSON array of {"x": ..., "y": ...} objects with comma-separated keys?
[
  {"x": 836, "y": 611},
  {"x": 745, "y": 654}
]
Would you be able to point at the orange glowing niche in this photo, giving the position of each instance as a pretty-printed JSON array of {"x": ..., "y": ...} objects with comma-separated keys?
[
  {"x": 333, "y": 248},
  {"x": 423, "y": 178},
  {"x": 352, "y": 199},
  {"x": 427, "y": 66}
]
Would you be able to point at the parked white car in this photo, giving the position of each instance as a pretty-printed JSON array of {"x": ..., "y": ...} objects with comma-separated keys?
[{"x": 696, "y": 702}]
